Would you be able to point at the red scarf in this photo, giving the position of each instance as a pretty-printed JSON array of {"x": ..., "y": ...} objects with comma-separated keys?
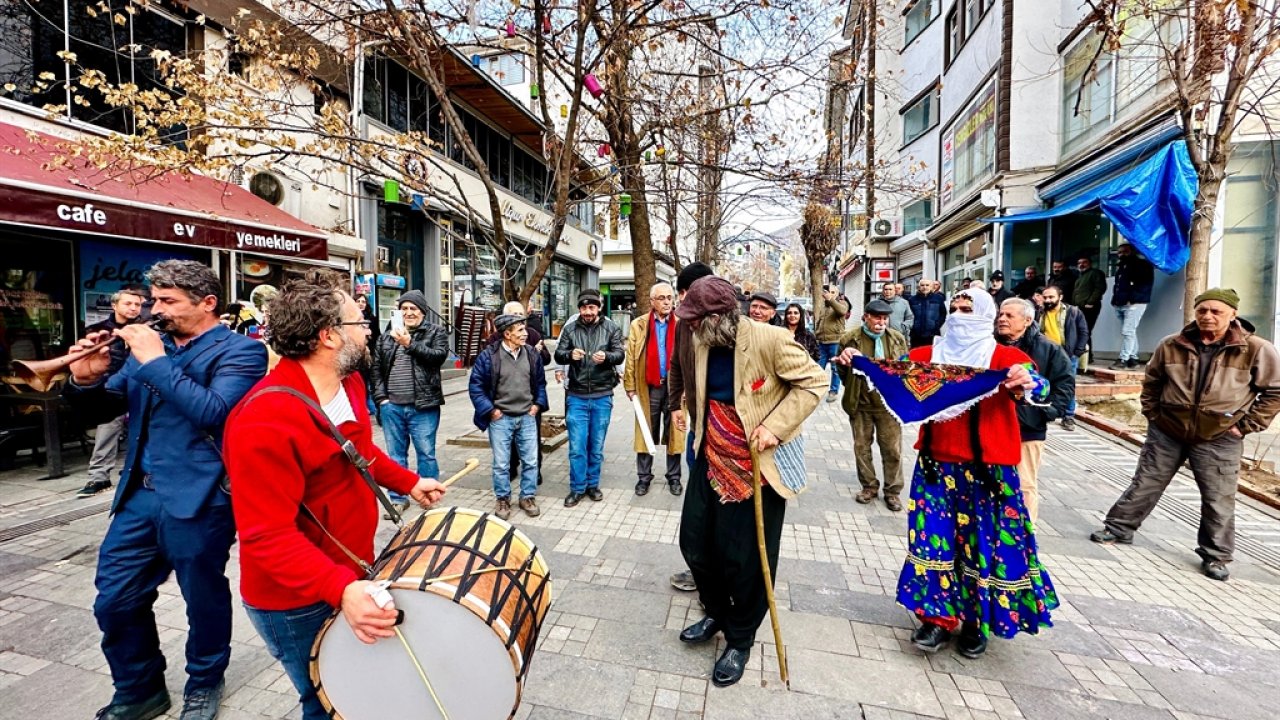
[{"x": 652, "y": 371}]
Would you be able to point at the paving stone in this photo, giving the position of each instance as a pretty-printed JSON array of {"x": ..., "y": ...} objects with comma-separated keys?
[
  {"x": 862, "y": 681},
  {"x": 1213, "y": 695},
  {"x": 1075, "y": 547},
  {"x": 1005, "y": 661},
  {"x": 541, "y": 712},
  {"x": 611, "y": 603},
  {"x": 578, "y": 685},
  {"x": 1124, "y": 614},
  {"x": 1068, "y": 637},
  {"x": 57, "y": 691},
  {"x": 748, "y": 702},
  {"x": 543, "y": 537},
  {"x": 55, "y": 632},
  {"x": 850, "y": 604},
  {"x": 817, "y": 632},
  {"x": 1039, "y": 702},
  {"x": 640, "y": 551},
  {"x": 1067, "y": 521},
  {"x": 1226, "y": 658},
  {"x": 14, "y": 565},
  {"x": 563, "y": 566},
  {"x": 811, "y": 572},
  {"x": 649, "y": 648}
]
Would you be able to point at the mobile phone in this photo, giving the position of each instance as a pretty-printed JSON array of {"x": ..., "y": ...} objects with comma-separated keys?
[
  {"x": 397, "y": 321},
  {"x": 233, "y": 309}
]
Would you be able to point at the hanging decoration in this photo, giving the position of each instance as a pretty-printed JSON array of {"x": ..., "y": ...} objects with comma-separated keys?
[
  {"x": 511, "y": 28},
  {"x": 603, "y": 150},
  {"x": 624, "y": 205},
  {"x": 662, "y": 150},
  {"x": 592, "y": 85},
  {"x": 648, "y": 155},
  {"x": 475, "y": 61},
  {"x": 546, "y": 23},
  {"x": 564, "y": 111},
  {"x": 533, "y": 90},
  {"x": 391, "y": 191}
]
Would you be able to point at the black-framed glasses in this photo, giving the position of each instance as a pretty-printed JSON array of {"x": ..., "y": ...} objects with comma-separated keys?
[{"x": 362, "y": 323}]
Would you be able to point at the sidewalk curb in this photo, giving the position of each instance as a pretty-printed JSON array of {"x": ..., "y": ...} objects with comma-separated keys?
[{"x": 1124, "y": 432}]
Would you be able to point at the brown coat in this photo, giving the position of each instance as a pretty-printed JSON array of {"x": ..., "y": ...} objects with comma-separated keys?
[
  {"x": 857, "y": 393},
  {"x": 831, "y": 319},
  {"x": 1242, "y": 389},
  {"x": 791, "y": 386},
  {"x": 633, "y": 380}
]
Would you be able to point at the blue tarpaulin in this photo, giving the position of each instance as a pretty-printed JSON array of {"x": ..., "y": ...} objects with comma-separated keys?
[{"x": 1150, "y": 206}]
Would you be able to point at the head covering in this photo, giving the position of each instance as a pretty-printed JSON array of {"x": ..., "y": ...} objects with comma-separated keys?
[
  {"x": 1225, "y": 295},
  {"x": 968, "y": 338},
  {"x": 692, "y": 273},
  {"x": 708, "y": 296},
  {"x": 502, "y": 322},
  {"x": 997, "y": 275},
  {"x": 417, "y": 298},
  {"x": 590, "y": 297},
  {"x": 879, "y": 307},
  {"x": 766, "y": 298}
]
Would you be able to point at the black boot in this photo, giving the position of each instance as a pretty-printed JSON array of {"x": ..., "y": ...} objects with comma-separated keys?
[
  {"x": 152, "y": 707},
  {"x": 730, "y": 666},
  {"x": 972, "y": 643}
]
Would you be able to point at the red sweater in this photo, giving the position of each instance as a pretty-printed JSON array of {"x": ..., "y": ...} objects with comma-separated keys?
[
  {"x": 278, "y": 457},
  {"x": 1001, "y": 439}
]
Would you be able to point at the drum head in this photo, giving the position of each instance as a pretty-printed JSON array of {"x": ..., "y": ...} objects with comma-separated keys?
[{"x": 467, "y": 665}]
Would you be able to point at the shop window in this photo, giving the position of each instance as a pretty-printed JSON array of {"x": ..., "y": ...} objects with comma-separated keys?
[
  {"x": 477, "y": 276},
  {"x": 917, "y": 17},
  {"x": 920, "y": 116},
  {"x": 1092, "y": 100},
  {"x": 917, "y": 215},
  {"x": 969, "y": 148},
  {"x": 1250, "y": 226},
  {"x": 36, "y": 286}
]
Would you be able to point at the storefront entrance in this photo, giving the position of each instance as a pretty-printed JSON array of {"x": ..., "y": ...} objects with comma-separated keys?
[{"x": 971, "y": 258}]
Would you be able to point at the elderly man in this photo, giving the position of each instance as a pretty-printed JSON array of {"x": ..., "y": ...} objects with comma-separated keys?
[
  {"x": 126, "y": 306},
  {"x": 929, "y": 308},
  {"x": 1205, "y": 389},
  {"x": 534, "y": 339},
  {"x": 1031, "y": 282},
  {"x": 290, "y": 475},
  {"x": 763, "y": 308},
  {"x": 900, "y": 316},
  {"x": 650, "y": 350},
  {"x": 868, "y": 417},
  {"x": 407, "y": 389},
  {"x": 172, "y": 510},
  {"x": 1015, "y": 326},
  {"x": 751, "y": 385}
]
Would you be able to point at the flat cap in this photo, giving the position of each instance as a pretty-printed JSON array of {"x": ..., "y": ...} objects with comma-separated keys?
[
  {"x": 765, "y": 297},
  {"x": 502, "y": 322},
  {"x": 878, "y": 307}
]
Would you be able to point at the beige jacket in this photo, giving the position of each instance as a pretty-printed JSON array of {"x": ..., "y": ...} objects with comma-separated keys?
[
  {"x": 633, "y": 380},
  {"x": 790, "y": 385},
  {"x": 832, "y": 315}
]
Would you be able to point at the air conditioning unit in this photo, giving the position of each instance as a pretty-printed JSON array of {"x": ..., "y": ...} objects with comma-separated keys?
[{"x": 884, "y": 228}]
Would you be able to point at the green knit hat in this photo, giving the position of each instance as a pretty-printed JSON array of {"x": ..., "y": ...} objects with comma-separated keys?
[{"x": 1226, "y": 295}]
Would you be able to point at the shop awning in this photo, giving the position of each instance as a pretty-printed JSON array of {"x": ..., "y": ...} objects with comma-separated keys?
[
  {"x": 128, "y": 203},
  {"x": 1150, "y": 206}
]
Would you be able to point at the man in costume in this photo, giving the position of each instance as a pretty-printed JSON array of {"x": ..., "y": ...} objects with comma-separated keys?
[
  {"x": 650, "y": 348},
  {"x": 290, "y": 474},
  {"x": 752, "y": 387},
  {"x": 972, "y": 565}
]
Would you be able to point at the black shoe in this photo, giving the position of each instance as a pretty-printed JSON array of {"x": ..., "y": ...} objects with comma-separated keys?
[
  {"x": 642, "y": 487},
  {"x": 93, "y": 487},
  {"x": 152, "y": 707},
  {"x": 1106, "y": 537},
  {"x": 683, "y": 581},
  {"x": 1068, "y": 423},
  {"x": 202, "y": 703},
  {"x": 1215, "y": 570},
  {"x": 572, "y": 499},
  {"x": 675, "y": 487},
  {"x": 595, "y": 494},
  {"x": 972, "y": 644},
  {"x": 700, "y": 632},
  {"x": 930, "y": 637},
  {"x": 1118, "y": 365},
  {"x": 730, "y": 666},
  {"x": 1132, "y": 364}
]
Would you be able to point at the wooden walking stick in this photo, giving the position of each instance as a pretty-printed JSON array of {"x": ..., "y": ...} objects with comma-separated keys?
[{"x": 764, "y": 566}]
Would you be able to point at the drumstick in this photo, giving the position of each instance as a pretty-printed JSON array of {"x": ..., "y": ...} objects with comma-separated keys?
[{"x": 472, "y": 464}]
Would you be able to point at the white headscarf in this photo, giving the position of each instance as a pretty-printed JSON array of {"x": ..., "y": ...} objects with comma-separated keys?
[{"x": 968, "y": 338}]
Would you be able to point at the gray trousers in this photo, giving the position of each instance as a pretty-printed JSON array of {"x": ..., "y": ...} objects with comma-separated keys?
[
  {"x": 1216, "y": 466},
  {"x": 660, "y": 426},
  {"x": 106, "y": 444},
  {"x": 870, "y": 425}
]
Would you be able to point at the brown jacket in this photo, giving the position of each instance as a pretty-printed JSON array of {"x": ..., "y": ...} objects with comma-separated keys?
[
  {"x": 857, "y": 393},
  {"x": 831, "y": 318},
  {"x": 779, "y": 386},
  {"x": 633, "y": 380},
  {"x": 1242, "y": 388}
]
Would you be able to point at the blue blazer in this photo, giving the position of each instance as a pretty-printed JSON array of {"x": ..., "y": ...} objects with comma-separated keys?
[{"x": 178, "y": 405}]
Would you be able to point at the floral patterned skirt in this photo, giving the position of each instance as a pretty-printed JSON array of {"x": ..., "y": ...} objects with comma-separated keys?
[{"x": 971, "y": 553}]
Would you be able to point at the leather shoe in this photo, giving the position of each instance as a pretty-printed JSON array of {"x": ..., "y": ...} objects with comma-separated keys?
[
  {"x": 730, "y": 666},
  {"x": 866, "y": 496},
  {"x": 1215, "y": 570},
  {"x": 595, "y": 494},
  {"x": 675, "y": 487},
  {"x": 893, "y": 502},
  {"x": 572, "y": 499},
  {"x": 1106, "y": 537},
  {"x": 152, "y": 707},
  {"x": 701, "y": 631},
  {"x": 202, "y": 703},
  {"x": 683, "y": 581},
  {"x": 930, "y": 637},
  {"x": 971, "y": 644},
  {"x": 642, "y": 487}
]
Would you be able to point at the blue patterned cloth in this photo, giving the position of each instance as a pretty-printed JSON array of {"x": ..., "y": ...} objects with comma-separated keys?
[
  {"x": 918, "y": 392},
  {"x": 971, "y": 551}
]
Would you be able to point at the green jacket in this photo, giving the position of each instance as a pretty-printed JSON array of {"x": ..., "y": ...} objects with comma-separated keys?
[
  {"x": 831, "y": 317},
  {"x": 1090, "y": 287},
  {"x": 857, "y": 393}
]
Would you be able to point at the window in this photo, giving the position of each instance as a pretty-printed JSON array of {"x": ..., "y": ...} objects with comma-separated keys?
[
  {"x": 955, "y": 37},
  {"x": 917, "y": 216},
  {"x": 1249, "y": 231},
  {"x": 857, "y": 119},
  {"x": 969, "y": 147},
  {"x": 1092, "y": 100},
  {"x": 917, "y": 17},
  {"x": 920, "y": 116},
  {"x": 507, "y": 69},
  {"x": 973, "y": 13}
]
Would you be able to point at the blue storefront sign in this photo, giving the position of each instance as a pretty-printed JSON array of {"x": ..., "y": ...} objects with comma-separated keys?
[{"x": 107, "y": 267}]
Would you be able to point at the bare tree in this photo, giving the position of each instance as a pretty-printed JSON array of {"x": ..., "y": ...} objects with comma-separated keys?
[{"x": 819, "y": 235}]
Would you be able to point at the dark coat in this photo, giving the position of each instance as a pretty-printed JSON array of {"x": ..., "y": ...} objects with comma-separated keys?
[
  {"x": 1090, "y": 287},
  {"x": 1075, "y": 330},
  {"x": 587, "y": 376},
  {"x": 483, "y": 385},
  {"x": 429, "y": 347},
  {"x": 1066, "y": 282},
  {"x": 1053, "y": 365},
  {"x": 535, "y": 337},
  {"x": 118, "y": 351},
  {"x": 1027, "y": 288},
  {"x": 1134, "y": 278},
  {"x": 930, "y": 312},
  {"x": 805, "y": 337}
]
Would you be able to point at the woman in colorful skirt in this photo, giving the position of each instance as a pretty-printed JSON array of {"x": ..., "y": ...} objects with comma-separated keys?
[{"x": 972, "y": 566}]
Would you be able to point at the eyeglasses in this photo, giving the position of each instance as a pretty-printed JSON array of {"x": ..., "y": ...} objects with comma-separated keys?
[{"x": 363, "y": 323}]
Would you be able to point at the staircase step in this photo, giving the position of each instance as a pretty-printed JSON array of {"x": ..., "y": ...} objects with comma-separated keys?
[{"x": 1118, "y": 376}]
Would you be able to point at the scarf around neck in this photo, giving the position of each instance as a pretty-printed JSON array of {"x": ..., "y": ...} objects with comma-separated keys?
[
  {"x": 879, "y": 338},
  {"x": 653, "y": 367},
  {"x": 968, "y": 338}
]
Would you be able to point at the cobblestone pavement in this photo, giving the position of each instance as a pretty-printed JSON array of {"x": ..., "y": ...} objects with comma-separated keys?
[{"x": 1141, "y": 634}]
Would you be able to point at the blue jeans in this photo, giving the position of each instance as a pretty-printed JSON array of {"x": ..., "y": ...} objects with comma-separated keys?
[
  {"x": 1129, "y": 317},
  {"x": 289, "y": 635},
  {"x": 524, "y": 430},
  {"x": 827, "y": 351},
  {"x": 143, "y": 546},
  {"x": 588, "y": 421},
  {"x": 400, "y": 423},
  {"x": 1075, "y": 368}
]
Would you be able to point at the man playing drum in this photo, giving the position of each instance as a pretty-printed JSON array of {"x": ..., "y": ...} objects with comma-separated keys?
[{"x": 289, "y": 474}]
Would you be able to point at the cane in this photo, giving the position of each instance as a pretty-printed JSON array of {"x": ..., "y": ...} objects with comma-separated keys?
[{"x": 764, "y": 567}]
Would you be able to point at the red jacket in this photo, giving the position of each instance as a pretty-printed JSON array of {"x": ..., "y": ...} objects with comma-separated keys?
[
  {"x": 277, "y": 457},
  {"x": 1001, "y": 438}
]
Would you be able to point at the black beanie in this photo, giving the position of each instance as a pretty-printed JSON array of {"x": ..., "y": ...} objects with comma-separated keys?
[{"x": 691, "y": 273}]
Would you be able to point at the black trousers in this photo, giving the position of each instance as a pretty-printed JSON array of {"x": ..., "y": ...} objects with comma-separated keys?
[
  {"x": 718, "y": 541},
  {"x": 1091, "y": 319}
]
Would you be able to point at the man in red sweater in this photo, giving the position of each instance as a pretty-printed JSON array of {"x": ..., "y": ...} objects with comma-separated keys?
[{"x": 280, "y": 458}]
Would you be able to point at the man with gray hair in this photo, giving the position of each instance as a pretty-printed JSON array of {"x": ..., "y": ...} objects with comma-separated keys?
[
  {"x": 900, "y": 316},
  {"x": 650, "y": 349},
  {"x": 126, "y": 306},
  {"x": 1015, "y": 325}
]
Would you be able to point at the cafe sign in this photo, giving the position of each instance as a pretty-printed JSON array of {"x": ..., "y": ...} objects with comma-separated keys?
[{"x": 532, "y": 220}]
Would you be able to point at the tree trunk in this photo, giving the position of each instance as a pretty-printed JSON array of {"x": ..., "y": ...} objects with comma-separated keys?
[
  {"x": 646, "y": 271},
  {"x": 1202, "y": 216}
]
